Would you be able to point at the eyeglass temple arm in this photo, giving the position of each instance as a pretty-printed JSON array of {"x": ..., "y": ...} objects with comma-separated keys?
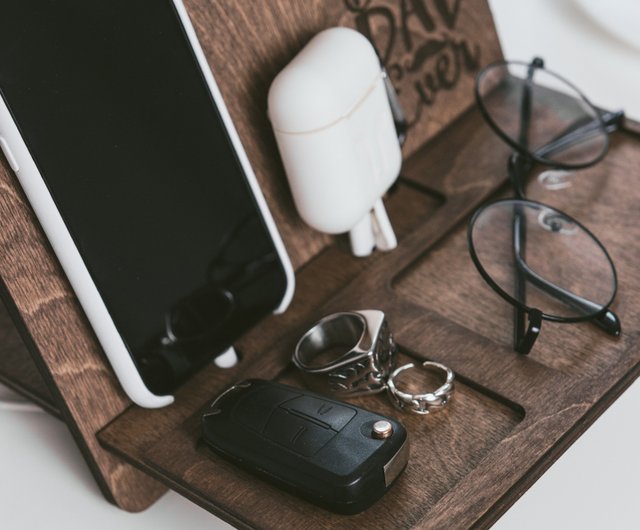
[
  {"x": 607, "y": 319},
  {"x": 519, "y": 238},
  {"x": 399, "y": 119},
  {"x": 518, "y": 166},
  {"x": 577, "y": 132},
  {"x": 523, "y": 340},
  {"x": 580, "y": 131},
  {"x": 525, "y": 105},
  {"x": 526, "y": 324}
]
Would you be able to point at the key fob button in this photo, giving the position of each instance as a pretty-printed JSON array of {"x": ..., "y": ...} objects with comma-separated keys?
[
  {"x": 254, "y": 408},
  {"x": 315, "y": 447},
  {"x": 332, "y": 415},
  {"x": 295, "y": 433}
]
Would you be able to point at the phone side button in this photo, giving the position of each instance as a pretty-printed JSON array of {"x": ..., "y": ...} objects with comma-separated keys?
[{"x": 9, "y": 155}]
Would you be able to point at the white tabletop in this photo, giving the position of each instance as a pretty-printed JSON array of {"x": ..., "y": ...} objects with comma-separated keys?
[{"x": 45, "y": 483}]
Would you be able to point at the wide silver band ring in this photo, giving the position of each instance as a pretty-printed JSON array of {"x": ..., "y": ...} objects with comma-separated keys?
[
  {"x": 421, "y": 403},
  {"x": 349, "y": 353}
]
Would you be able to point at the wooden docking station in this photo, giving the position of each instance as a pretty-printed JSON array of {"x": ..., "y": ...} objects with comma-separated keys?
[{"x": 511, "y": 416}]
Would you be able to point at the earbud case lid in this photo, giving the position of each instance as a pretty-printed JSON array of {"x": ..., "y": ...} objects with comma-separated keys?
[{"x": 324, "y": 83}]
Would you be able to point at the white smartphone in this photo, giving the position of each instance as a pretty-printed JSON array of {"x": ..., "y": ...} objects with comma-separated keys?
[{"x": 112, "y": 121}]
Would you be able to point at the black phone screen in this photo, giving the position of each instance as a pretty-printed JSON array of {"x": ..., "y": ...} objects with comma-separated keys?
[{"x": 116, "y": 113}]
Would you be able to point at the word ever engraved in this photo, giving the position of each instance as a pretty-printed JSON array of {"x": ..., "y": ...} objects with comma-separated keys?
[{"x": 430, "y": 48}]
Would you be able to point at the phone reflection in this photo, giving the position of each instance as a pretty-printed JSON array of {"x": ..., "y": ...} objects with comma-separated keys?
[{"x": 239, "y": 287}]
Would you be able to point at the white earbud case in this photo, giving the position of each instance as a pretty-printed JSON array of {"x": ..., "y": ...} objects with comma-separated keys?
[{"x": 335, "y": 132}]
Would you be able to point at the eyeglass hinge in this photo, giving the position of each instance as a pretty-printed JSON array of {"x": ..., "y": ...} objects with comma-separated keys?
[{"x": 533, "y": 330}]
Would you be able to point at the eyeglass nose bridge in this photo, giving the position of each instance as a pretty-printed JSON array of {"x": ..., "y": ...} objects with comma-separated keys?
[{"x": 517, "y": 167}]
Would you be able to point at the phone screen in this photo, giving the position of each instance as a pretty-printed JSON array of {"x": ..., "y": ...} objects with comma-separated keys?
[{"x": 117, "y": 115}]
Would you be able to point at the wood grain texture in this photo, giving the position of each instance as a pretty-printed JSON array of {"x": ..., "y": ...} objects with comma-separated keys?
[
  {"x": 432, "y": 51},
  {"x": 444, "y": 450},
  {"x": 317, "y": 282},
  {"x": 246, "y": 46},
  {"x": 64, "y": 347},
  {"x": 597, "y": 197},
  {"x": 512, "y": 415},
  {"x": 424, "y": 44}
]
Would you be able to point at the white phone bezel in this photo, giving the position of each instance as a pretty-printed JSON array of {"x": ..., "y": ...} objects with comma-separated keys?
[{"x": 69, "y": 256}]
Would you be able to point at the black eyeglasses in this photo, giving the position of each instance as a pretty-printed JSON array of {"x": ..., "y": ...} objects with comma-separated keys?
[{"x": 542, "y": 261}]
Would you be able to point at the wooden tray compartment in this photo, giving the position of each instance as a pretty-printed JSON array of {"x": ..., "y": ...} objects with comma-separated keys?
[
  {"x": 246, "y": 46},
  {"x": 512, "y": 415},
  {"x": 444, "y": 448},
  {"x": 604, "y": 199}
]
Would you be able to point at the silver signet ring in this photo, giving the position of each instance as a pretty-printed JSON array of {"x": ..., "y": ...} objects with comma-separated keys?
[{"x": 349, "y": 354}]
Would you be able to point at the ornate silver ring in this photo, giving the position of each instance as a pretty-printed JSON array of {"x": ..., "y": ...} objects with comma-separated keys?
[
  {"x": 349, "y": 353},
  {"x": 421, "y": 403}
]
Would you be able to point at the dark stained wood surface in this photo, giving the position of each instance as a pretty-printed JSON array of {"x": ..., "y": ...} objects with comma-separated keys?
[
  {"x": 317, "y": 282},
  {"x": 443, "y": 453},
  {"x": 432, "y": 52},
  {"x": 63, "y": 346},
  {"x": 433, "y": 49},
  {"x": 511, "y": 416}
]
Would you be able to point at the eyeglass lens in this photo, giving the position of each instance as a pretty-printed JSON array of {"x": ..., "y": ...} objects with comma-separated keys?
[
  {"x": 567, "y": 271},
  {"x": 541, "y": 114}
]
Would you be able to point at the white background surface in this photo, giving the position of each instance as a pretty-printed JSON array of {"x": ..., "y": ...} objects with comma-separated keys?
[
  {"x": 44, "y": 482},
  {"x": 594, "y": 44}
]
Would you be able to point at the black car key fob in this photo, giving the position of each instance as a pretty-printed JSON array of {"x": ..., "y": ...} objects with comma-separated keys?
[{"x": 333, "y": 454}]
